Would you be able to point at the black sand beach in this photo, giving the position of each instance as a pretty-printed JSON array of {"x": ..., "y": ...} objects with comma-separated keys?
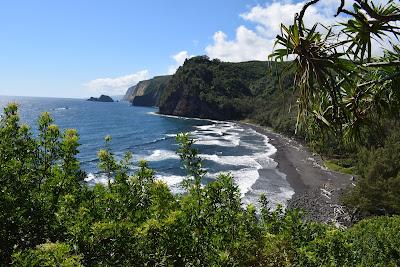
[{"x": 317, "y": 190}]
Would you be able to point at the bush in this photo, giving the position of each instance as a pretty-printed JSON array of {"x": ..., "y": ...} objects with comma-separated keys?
[
  {"x": 376, "y": 241},
  {"x": 377, "y": 190},
  {"x": 47, "y": 255},
  {"x": 50, "y": 218}
]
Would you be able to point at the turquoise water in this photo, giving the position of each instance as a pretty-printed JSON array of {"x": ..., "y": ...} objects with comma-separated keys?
[{"x": 225, "y": 146}]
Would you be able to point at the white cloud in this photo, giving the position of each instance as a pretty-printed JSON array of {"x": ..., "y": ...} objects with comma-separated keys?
[
  {"x": 248, "y": 45},
  {"x": 117, "y": 85},
  {"x": 179, "y": 59},
  {"x": 257, "y": 43}
]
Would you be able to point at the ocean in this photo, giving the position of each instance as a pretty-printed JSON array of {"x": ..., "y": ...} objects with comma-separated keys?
[{"x": 225, "y": 146}]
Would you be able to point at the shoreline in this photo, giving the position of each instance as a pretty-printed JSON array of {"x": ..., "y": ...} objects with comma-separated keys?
[{"x": 317, "y": 190}]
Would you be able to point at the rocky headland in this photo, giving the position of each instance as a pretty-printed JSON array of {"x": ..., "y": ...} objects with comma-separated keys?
[{"x": 148, "y": 92}]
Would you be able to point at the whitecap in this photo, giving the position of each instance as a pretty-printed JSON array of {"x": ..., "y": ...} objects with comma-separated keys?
[
  {"x": 213, "y": 142},
  {"x": 248, "y": 161},
  {"x": 205, "y": 127},
  {"x": 93, "y": 179},
  {"x": 160, "y": 154},
  {"x": 173, "y": 181},
  {"x": 169, "y": 179},
  {"x": 244, "y": 178}
]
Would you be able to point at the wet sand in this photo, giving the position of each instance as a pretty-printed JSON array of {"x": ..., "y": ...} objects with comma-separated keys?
[{"x": 317, "y": 190}]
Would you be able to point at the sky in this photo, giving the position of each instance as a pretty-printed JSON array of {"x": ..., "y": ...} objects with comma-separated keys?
[{"x": 81, "y": 48}]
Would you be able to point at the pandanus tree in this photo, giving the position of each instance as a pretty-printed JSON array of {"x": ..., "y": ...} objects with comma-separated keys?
[{"x": 341, "y": 85}]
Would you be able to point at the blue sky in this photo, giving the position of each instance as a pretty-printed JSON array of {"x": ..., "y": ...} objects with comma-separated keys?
[
  {"x": 52, "y": 48},
  {"x": 78, "y": 48}
]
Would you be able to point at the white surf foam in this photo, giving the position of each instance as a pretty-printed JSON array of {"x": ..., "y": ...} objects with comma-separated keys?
[
  {"x": 245, "y": 178},
  {"x": 261, "y": 158},
  {"x": 179, "y": 117},
  {"x": 160, "y": 154},
  {"x": 170, "y": 180},
  {"x": 205, "y": 127},
  {"x": 97, "y": 179},
  {"x": 248, "y": 161},
  {"x": 227, "y": 137},
  {"x": 173, "y": 182}
]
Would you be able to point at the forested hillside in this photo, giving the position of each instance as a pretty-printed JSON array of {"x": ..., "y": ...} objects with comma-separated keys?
[{"x": 220, "y": 90}]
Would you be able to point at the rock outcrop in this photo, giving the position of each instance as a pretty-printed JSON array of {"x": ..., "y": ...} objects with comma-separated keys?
[
  {"x": 148, "y": 92},
  {"x": 102, "y": 98},
  {"x": 130, "y": 94},
  {"x": 213, "y": 89}
]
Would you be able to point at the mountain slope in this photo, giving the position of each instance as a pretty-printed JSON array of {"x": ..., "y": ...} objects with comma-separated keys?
[{"x": 220, "y": 90}]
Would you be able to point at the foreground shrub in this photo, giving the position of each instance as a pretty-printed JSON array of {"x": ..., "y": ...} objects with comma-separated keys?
[
  {"x": 47, "y": 255},
  {"x": 50, "y": 218},
  {"x": 377, "y": 190}
]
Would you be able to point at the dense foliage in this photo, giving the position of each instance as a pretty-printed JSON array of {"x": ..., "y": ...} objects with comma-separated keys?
[
  {"x": 342, "y": 87},
  {"x": 378, "y": 190},
  {"x": 49, "y": 217},
  {"x": 222, "y": 90},
  {"x": 348, "y": 97}
]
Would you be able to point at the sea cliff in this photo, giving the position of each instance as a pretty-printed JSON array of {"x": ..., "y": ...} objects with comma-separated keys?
[
  {"x": 148, "y": 92},
  {"x": 256, "y": 90}
]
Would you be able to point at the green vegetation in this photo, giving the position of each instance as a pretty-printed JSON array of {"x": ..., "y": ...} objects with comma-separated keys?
[
  {"x": 47, "y": 255},
  {"x": 336, "y": 166},
  {"x": 49, "y": 217},
  {"x": 221, "y": 90},
  {"x": 348, "y": 100},
  {"x": 347, "y": 107},
  {"x": 378, "y": 190}
]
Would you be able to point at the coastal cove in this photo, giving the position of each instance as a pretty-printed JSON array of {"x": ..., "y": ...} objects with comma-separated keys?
[
  {"x": 261, "y": 161},
  {"x": 212, "y": 134},
  {"x": 225, "y": 146}
]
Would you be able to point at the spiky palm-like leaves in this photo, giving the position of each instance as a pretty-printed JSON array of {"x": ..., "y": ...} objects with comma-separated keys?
[{"x": 340, "y": 84}]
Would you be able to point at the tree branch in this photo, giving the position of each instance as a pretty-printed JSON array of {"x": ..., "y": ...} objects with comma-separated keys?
[
  {"x": 301, "y": 15},
  {"x": 340, "y": 8},
  {"x": 382, "y": 64},
  {"x": 390, "y": 77},
  {"x": 371, "y": 12}
]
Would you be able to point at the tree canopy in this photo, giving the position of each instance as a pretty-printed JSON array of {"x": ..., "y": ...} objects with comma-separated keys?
[{"x": 342, "y": 85}]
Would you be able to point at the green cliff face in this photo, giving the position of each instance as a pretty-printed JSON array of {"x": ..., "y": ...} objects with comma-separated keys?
[
  {"x": 148, "y": 92},
  {"x": 256, "y": 90}
]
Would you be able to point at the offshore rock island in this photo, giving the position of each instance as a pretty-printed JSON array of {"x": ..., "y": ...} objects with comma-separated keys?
[{"x": 102, "y": 98}]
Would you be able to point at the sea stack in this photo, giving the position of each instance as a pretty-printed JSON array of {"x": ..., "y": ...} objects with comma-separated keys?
[{"x": 102, "y": 98}]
